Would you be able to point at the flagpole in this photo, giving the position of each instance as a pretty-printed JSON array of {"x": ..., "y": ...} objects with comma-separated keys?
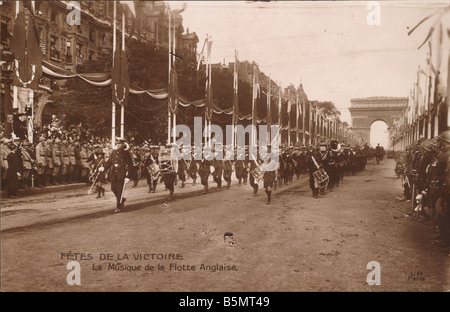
[
  {"x": 289, "y": 117},
  {"x": 169, "y": 115},
  {"x": 303, "y": 120},
  {"x": 235, "y": 83},
  {"x": 280, "y": 130},
  {"x": 210, "y": 90},
  {"x": 296, "y": 120},
  {"x": 269, "y": 113},
  {"x": 173, "y": 59},
  {"x": 113, "y": 117},
  {"x": 122, "y": 108}
]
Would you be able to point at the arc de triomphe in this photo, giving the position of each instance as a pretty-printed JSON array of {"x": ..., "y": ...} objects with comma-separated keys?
[{"x": 365, "y": 111}]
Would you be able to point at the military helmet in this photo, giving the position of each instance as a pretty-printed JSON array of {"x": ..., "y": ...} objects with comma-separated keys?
[
  {"x": 445, "y": 136},
  {"x": 427, "y": 145}
]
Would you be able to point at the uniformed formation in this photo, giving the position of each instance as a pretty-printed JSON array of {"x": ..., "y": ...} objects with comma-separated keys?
[{"x": 424, "y": 172}]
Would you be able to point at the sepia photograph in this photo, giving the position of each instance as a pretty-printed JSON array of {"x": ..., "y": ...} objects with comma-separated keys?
[{"x": 243, "y": 148}]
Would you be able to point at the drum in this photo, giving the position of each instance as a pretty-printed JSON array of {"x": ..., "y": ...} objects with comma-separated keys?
[
  {"x": 154, "y": 171},
  {"x": 321, "y": 178},
  {"x": 257, "y": 175}
]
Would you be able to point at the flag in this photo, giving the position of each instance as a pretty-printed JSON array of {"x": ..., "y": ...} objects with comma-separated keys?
[
  {"x": 173, "y": 91},
  {"x": 201, "y": 56},
  {"x": 129, "y": 12},
  {"x": 235, "y": 88},
  {"x": 120, "y": 78},
  {"x": 256, "y": 89},
  {"x": 27, "y": 52}
]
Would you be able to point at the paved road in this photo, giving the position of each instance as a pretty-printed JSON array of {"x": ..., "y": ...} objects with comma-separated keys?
[{"x": 223, "y": 241}]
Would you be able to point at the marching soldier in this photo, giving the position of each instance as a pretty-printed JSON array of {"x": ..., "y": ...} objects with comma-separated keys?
[
  {"x": 136, "y": 159},
  {"x": 254, "y": 164},
  {"x": 227, "y": 170},
  {"x": 313, "y": 163},
  {"x": 182, "y": 168},
  {"x": 269, "y": 169},
  {"x": 169, "y": 174},
  {"x": 120, "y": 163},
  {"x": 204, "y": 172},
  {"x": 150, "y": 161},
  {"x": 192, "y": 170},
  {"x": 99, "y": 176},
  {"x": 240, "y": 167},
  {"x": 217, "y": 173}
]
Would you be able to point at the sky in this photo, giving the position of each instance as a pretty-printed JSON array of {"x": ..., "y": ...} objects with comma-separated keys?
[{"x": 328, "y": 46}]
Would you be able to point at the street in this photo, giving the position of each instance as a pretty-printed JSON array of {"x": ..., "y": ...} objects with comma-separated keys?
[{"x": 225, "y": 240}]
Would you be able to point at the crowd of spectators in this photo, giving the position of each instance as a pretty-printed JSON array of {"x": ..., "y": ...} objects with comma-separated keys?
[{"x": 57, "y": 156}]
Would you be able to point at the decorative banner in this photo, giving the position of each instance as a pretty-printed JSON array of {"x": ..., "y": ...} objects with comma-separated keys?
[
  {"x": 27, "y": 53},
  {"x": 120, "y": 79},
  {"x": 173, "y": 91}
]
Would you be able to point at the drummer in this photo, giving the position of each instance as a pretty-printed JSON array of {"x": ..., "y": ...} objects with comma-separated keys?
[
  {"x": 269, "y": 169},
  {"x": 152, "y": 165}
]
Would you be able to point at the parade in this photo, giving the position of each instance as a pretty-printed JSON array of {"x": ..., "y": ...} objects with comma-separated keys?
[{"x": 115, "y": 105}]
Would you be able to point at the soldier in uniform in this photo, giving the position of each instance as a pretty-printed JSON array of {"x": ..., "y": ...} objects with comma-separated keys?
[
  {"x": 4, "y": 154},
  {"x": 84, "y": 154},
  {"x": 27, "y": 164},
  {"x": 217, "y": 173},
  {"x": 65, "y": 161},
  {"x": 240, "y": 167},
  {"x": 120, "y": 163},
  {"x": 254, "y": 163},
  {"x": 13, "y": 171},
  {"x": 99, "y": 176},
  {"x": 136, "y": 159},
  {"x": 227, "y": 169},
  {"x": 204, "y": 172},
  {"x": 269, "y": 169},
  {"x": 56, "y": 156},
  {"x": 49, "y": 161},
  {"x": 192, "y": 170},
  {"x": 72, "y": 161},
  {"x": 442, "y": 231},
  {"x": 313, "y": 163},
  {"x": 40, "y": 162},
  {"x": 169, "y": 174},
  {"x": 182, "y": 168},
  {"x": 150, "y": 159}
]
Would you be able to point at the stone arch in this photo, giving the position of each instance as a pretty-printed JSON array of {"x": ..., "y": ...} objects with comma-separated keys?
[{"x": 366, "y": 111}]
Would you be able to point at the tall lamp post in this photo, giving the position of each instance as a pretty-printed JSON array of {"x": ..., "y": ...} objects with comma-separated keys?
[{"x": 7, "y": 80}]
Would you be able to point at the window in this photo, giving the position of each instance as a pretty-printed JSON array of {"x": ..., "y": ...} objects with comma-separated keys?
[
  {"x": 53, "y": 18},
  {"x": 54, "y": 48},
  {"x": 91, "y": 34},
  {"x": 79, "y": 50},
  {"x": 4, "y": 30},
  {"x": 68, "y": 51}
]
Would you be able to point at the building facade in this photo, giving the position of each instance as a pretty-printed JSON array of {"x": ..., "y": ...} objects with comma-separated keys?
[{"x": 67, "y": 46}]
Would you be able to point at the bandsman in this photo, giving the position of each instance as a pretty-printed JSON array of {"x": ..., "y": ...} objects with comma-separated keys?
[{"x": 120, "y": 163}]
